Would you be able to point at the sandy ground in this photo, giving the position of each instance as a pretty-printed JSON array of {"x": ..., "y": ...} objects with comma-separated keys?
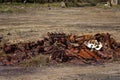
[
  {"x": 34, "y": 24},
  {"x": 109, "y": 71}
]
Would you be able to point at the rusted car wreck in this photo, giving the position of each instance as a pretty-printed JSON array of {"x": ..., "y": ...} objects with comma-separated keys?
[{"x": 63, "y": 47}]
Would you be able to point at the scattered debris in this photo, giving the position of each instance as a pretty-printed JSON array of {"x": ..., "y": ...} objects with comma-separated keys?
[{"x": 63, "y": 47}]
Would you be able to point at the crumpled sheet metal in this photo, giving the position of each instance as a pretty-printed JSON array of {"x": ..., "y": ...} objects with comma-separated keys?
[{"x": 63, "y": 48}]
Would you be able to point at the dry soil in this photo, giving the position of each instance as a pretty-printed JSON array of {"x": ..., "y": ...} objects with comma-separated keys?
[{"x": 35, "y": 23}]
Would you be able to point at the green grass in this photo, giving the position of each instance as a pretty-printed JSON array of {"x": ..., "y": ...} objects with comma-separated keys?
[
  {"x": 39, "y": 60},
  {"x": 116, "y": 6},
  {"x": 55, "y": 4},
  {"x": 20, "y": 7},
  {"x": 2, "y": 53},
  {"x": 36, "y": 61},
  {"x": 11, "y": 8}
]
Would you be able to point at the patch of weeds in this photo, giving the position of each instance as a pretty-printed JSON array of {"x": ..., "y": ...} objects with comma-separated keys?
[
  {"x": 86, "y": 4},
  {"x": 4, "y": 54},
  {"x": 11, "y": 8},
  {"x": 55, "y": 4},
  {"x": 76, "y": 4},
  {"x": 39, "y": 60},
  {"x": 20, "y": 10},
  {"x": 102, "y": 5},
  {"x": 116, "y": 6},
  {"x": 7, "y": 10},
  {"x": 71, "y": 4},
  {"x": 2, "y": 30}
]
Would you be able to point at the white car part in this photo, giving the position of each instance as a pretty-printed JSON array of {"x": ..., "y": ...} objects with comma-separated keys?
[{"x": 94, "y": 44}]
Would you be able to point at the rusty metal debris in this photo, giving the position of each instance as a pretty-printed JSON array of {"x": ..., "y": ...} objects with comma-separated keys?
[{"x": 63, "y": 47}]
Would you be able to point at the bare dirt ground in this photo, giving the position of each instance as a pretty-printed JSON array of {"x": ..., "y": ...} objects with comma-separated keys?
[{"x": 34, "y": 24}]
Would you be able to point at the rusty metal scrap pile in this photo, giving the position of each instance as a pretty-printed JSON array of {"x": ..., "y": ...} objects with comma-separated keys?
[{"x": 63, "y": 47}]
